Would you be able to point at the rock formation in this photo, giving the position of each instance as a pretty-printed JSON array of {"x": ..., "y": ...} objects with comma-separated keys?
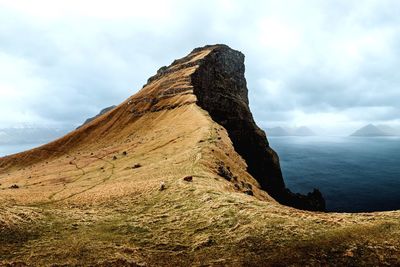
[
  {"x": 176, "y": 175},
  {"x": 220, "y": 87},
  {"x": 219, "y": 84},
  {"x": 211, "y": 77}
]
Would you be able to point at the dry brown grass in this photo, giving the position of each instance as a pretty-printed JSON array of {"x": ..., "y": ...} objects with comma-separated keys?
[{"x": 76, "y": 205}]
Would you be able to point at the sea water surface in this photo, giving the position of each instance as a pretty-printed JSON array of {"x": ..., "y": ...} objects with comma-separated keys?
[{"x": 353, "y": 173}]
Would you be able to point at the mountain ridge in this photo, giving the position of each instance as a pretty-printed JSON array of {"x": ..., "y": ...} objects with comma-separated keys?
[
  {"x": 103, "y": 111},
  {"x": 158, "y": 181},
  {"x": 216, "y": 84}
]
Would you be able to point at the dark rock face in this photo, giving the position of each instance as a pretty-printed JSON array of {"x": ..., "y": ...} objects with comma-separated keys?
[{"x": 220, "y": 87}]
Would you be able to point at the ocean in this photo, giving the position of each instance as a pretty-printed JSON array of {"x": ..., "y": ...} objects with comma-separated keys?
[{"x": 354, "y": 174}]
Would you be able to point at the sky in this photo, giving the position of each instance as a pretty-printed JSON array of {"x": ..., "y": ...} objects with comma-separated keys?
[{"x": 329, "y": 65}]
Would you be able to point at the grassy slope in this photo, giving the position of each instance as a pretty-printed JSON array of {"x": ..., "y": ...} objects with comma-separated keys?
[
  {"x": 125, "y": 219},
  {"x": 78, "y": 205}
]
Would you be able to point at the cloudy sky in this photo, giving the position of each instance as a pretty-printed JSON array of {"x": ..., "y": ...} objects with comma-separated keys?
[{"x": 331, "y": 65}]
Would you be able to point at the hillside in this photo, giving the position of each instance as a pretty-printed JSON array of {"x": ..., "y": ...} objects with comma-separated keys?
[
  {"x": 389, "y": 129},
  {"x": 177, "y": 175},
  {"x": 103, "y": 111},
  {"x": 370, "y": 130}
]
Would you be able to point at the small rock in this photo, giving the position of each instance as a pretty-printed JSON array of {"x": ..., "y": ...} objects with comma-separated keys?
[
  {"x": 162, "y": 186},
  {"x": 114, "y": 157},
  {"x": 162, "y": 70},
  {"x": 247, "y": 185},
  {"x": 124, "y": 153},
  {"x": 348, "y": 253},
  {"x": 188, "y": 178},
  {"x": 14, "y": 186},
  {"x": 137, "y": 165},
  {"x": 224, "y": 172},
  {"x": 249, "y": 192}
]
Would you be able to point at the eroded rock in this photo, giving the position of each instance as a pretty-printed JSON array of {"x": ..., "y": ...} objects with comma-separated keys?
[{"x": 220, "y": 86}]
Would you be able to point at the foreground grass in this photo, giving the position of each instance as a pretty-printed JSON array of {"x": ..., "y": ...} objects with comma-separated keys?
[
  {"x": 185, "y": 225},
  {"x": 99, "y": 211}
]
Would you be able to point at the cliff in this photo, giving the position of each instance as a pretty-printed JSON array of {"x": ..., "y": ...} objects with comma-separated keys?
[
  {"x": 177, "y": 175},
  {"x": 213, "y": 78},
  {"x": 220, "y": 87}
]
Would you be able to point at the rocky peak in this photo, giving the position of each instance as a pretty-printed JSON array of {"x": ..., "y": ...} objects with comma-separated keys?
[
  {"x": 220, "y": 87},
  {"x": 213, "y": 78}
]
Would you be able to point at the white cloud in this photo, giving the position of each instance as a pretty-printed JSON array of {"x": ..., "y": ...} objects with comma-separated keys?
[
  {"x": 117, "y": 9},
  {"x": 327, "y": 63}
]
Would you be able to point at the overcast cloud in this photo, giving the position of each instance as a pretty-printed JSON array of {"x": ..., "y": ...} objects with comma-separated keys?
[{"x": 331, "y": 65}]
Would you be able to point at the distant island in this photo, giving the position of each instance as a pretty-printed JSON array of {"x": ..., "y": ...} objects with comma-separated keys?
[
  {"x": 371, "y": 130},
  {"x": 286, "y": 131}
]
